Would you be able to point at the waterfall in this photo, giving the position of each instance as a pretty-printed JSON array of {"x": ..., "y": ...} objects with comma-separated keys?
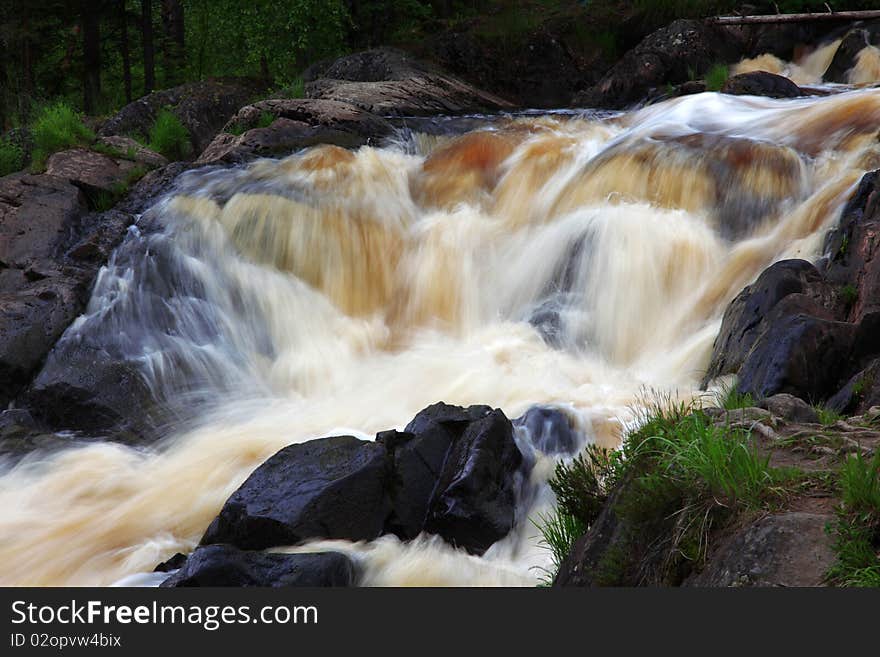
[{"x": 569, "y": 259}]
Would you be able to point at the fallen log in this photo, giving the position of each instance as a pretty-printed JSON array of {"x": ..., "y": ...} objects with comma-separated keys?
[{"x": 866, "y": 14}]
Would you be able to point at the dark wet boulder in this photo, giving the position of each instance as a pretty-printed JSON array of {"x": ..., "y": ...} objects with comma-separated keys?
[
  {"x": 225, "y": 565},
  {"x": 203, "y": 107},
  {"x": 845, "y": 57},
  {"x": 746, "y": 318},
  {"x": 85, "y": 387},
  {"x": 671, "y": 55},
  {"x": 799, "y": 354},
  {"x": 296, "y": 124},
  {"x": 454, "y": 473},
  {"x": 859, "y": 393},
  {"x": 326, "y": 488},
  {"x": 762, "y": 83},
  {"x": 475, "y": 501},
  {"x": 550, "y": 430}
]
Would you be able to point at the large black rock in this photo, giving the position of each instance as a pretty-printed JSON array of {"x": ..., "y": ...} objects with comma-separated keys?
[
  {"x": 798, "y": 354},
  {"x": 326, "y": 488},
  {"x": 225, "y": 565},
  {"x": 454, "y": 472},
  {"x": 746, "y": 318},
  {"x": 474, "y": 504}
]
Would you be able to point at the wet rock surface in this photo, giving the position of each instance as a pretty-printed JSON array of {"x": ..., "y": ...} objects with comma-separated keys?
[
  {"x": 668, "y": 56},
  {"x": 452, "y": 472},
  {"x": 296, "y": 124},
  {"x": 762, "y": 83},
  {"x": 811, "y": 331},
  {"x": 225, "y": 565},
  {"x": 390, "y": 83}
]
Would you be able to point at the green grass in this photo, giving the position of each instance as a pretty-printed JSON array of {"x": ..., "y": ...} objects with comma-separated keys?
[
  {"x": 559, "y": 531},
  {"x": 11, "y": 157},
  {"x": 104, "y": 200},
  {"x": 296, "y": 88},
  {"x": 857, "y": 528},
  {"x": 676, "y": 477},
  {"x": 57, "y": 127},
  {"x": 827, "y": 416},
  {"x": 263, "y": 121},
  {"x": 730, "y": 398},
  {"x": 169, "y": 136},
  {"x": 716, "y": 77}
]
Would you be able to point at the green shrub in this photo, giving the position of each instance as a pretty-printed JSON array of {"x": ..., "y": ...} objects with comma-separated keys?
[
  {"x": 716, "y": 77},
  {"x": 11, "y": 157},
  {"x": 169, "y": 136},
  {"x": 857, "y": 529},
  {"x": 56, "y": 128}
]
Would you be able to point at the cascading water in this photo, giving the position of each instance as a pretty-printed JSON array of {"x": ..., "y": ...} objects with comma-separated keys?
[{"x": 567, "y": 259}]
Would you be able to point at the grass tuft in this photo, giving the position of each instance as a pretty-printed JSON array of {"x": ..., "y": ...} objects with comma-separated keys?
[
  {"x": 716, "y": 77},
  {"x": 827, "y": 416},
  {"x": 730, "y": 398},
  {"x": 169, "y": 136},
  {"x": 56, "y": 128}
]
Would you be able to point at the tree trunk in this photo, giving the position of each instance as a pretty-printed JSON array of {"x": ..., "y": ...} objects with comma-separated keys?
[
  {"x": 173, "y": 40},
  {"x": 4, "y": 86},
  {"x": 91, "y": 20},
  {"x": 124, "y": 47},
  {"x": 27, "y": 69},
  {"x": 796, "y": 18},
  {"x": 147, "y": 38}
]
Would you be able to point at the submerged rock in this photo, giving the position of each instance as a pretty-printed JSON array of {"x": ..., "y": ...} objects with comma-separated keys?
[
  {"x": 762, "y": 83},
  {"x": 225, "y": 565},
  {"x": 550, "y": 430}
]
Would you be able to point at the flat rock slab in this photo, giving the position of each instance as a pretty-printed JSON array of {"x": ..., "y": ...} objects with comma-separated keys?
[
  {"x": 784, "y": 549},
  {"x": 89, "y": 170}
]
